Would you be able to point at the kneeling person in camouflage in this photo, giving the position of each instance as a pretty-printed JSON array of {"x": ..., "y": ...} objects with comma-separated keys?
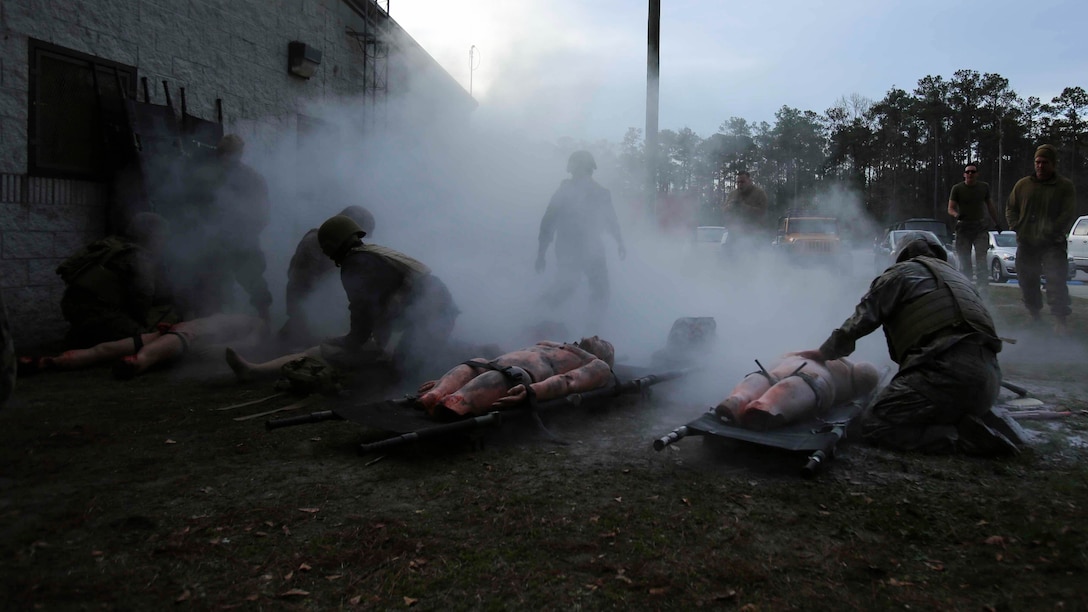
[
  {"x": 113, "y": 286},
  {"x": 388, "y": 292}
]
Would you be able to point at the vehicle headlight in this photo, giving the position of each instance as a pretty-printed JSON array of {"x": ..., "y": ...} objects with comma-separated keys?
[{"x": 1009, "y": 257}]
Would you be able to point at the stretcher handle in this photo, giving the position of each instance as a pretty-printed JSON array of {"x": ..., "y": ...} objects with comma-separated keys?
[
  {"x": 302, "y": 419},
  {"x": 815, "y": 464},
  {"x": 491, "y": 418},
  {"x": 673, "y": 436}
]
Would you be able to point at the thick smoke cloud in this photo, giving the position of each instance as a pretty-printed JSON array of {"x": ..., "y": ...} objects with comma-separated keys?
[{"x": 466, "y": 198}]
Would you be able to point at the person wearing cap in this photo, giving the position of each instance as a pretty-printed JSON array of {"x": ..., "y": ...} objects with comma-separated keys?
[
  {"x": 114, "y": 286},
  {"x": 942, "y": 336},
  {"x": 747, "y": 204},
  {"x": 579, "y": 211},
  {"x": 745, "y": 216},
  {"x": 308, "y": 268},
  {"x": 389, "y": 294},
  {"x": 1041, "y": 209},
  {"x": 218, "y": 238},
  {"x": 968, "y": 203}
]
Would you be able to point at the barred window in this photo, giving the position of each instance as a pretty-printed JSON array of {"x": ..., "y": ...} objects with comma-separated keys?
[{"x": 76, "y": 113}]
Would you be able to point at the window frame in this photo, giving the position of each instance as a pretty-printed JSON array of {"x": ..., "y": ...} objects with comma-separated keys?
[{"x": 100, "y": 67}]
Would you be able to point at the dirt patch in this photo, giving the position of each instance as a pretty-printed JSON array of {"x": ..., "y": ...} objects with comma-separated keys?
[{"x": 131, "y": 495}]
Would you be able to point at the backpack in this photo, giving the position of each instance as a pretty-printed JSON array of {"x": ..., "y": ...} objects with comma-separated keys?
[{"x": 100, "y": 252}]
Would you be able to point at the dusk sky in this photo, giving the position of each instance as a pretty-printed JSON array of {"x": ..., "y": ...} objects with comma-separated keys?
[{"x": 574, "y": 68}]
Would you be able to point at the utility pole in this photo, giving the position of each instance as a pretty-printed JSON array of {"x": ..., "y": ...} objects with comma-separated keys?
[
  {"x": 653, "y": 71},
  {"x": 472, "y": 65}
]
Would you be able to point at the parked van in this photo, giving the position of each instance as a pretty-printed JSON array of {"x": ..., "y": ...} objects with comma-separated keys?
[{"x": 1078, "y": 243}]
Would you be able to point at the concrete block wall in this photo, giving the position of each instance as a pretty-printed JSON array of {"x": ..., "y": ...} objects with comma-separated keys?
[
  {"x": 234, "y": 50},
  {"x": 42, "y": 221}
]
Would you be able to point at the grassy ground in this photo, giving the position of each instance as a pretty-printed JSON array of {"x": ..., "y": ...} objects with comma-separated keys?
[{"x": 134, "y": 495}]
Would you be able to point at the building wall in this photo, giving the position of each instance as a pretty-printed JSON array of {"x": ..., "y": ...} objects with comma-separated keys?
[{"x": 233, "y": 50}]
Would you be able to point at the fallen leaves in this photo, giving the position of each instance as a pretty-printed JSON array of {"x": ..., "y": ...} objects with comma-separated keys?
[
  {"x": 995, "y": 540},
  {"x": 294, "y": 593},
  {"x": 310, "y": 510},
  {"x": 899, "y": 583},
  {"x": 410, "y": 601},
  {"x": 169, "y": 441}
]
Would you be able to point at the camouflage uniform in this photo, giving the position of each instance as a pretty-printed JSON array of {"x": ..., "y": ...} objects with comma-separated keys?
[
  {"x": 389, "y": 292},
  {"x": 111, "y": 293},
  {"x": 307, "y": 268},
  {"x": 577, "y": 214},
  {"x": 7, "y": 356},
  {"x": 217, "y": 240},
  {"x": 939, "y": 332}
]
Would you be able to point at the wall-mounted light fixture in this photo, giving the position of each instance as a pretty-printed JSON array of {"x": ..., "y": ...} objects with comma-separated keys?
[{"x": 302, "y": 59}]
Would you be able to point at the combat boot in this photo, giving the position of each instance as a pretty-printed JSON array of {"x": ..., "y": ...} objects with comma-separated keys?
[{"x": 978, "y": 439}]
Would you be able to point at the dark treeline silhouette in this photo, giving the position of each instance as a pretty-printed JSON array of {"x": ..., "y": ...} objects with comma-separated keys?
[{"x": 899, "y": 155}]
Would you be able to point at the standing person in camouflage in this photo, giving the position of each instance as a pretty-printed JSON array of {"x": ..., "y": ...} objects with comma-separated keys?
[
  {"x": 942, "y": 336},
  {"x": 8, "y": 365},
  {"x": 1041, "y": 209},
  {"x": 114, "y": 287},
  {"x": 308, "y": 267},
  {"x": 579, "y": 211},
  {"x": 745, "y": 216},
  {"x": 389, "y": 294},
  {"x": 217, "y": 241},
  {"x": 968, "y": 204}
]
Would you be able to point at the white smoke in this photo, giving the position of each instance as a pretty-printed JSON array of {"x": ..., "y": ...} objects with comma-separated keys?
[{"x": 465, "y": 196}]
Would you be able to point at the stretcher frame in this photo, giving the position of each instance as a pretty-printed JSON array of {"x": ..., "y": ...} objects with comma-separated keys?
[{"x": 407, "y": 423}]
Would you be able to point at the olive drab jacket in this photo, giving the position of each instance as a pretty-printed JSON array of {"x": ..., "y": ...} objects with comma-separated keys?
[
  {"x": 112, "y": 283},
  {"x": 111, "y": 270},
  {"x": 578, "y": 213},
  {"x": 382, "y": 285},
  {"x": 1041, "y": 212},
  {"x": 925, "y": 306},
  {"x": 308, "y": 266}
]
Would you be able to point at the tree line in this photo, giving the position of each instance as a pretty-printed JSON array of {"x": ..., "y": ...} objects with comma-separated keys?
[{"x": 900, "y": 155}]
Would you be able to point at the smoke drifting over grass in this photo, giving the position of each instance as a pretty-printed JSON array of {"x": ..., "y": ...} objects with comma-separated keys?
[{"x": 466, "y": 198}]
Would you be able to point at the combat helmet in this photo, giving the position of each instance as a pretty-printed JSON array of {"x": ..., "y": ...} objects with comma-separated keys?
[
  {"x": 337, "y": 235},
  {"x": 362, "y": 216},
  {"x": 231, "y": 144},
  {"x": 921, "y": 244},
  {"x": 581, "y": 160}
]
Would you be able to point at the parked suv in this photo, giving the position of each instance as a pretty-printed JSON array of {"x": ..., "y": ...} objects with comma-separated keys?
[
  {"x": 936, "y": 226},
  {"x": 811, "y": 240},
  {"x": 1078, "y": 243}
]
